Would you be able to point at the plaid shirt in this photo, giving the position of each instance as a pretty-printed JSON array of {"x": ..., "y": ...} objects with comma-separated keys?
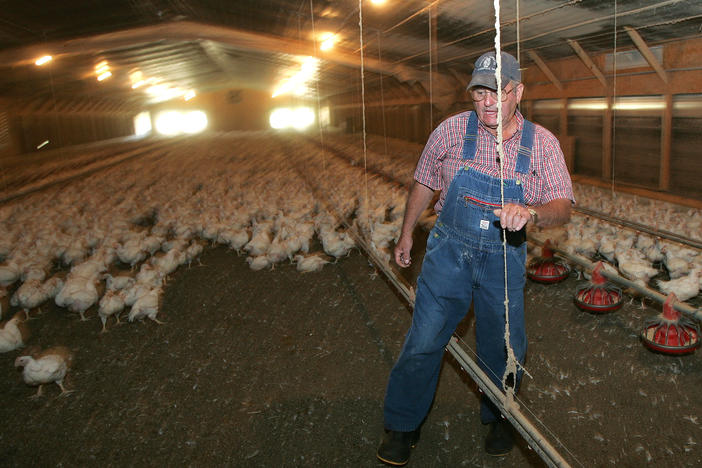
[{"x": 547, "y": 179}]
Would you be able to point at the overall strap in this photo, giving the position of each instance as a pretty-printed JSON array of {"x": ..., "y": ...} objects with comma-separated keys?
[
  {"x": 470, "y": 140},
  {"x": 525, "y": 146}
]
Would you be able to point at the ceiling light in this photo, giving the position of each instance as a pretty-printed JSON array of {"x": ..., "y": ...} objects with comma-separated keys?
[
  {"x": 104, "y": 76},
  {"x": 43, "y": 60},
  {"x": 189, "y": 95},
  {"x": 328, "y": 41},
  {"x": 377, "y": 2}
]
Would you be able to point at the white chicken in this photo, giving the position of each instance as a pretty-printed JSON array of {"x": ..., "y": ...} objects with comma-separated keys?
[
  {"x": 78, "y": 295},
  {"x": 309, "y": 263},
  {"x": 684, "y": 288},
  {"x": 9, "y": 273},
  {"x": 13, "y": 333},
  {"x": 118, "y": 282},
  {"x": 111, "y": 303},
  {"x": 258, "y": 263},
  {"x": 29, "y": 296},
  {"x": 48, "y": 366},
  {"x": 146, "y": 306}
]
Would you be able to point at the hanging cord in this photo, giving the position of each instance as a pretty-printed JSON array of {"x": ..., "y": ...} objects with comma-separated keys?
[
  {"x": 614, "y": 101},
  {"x": 363, "y": 114},
  {"x": 519, "y": 58},
  {"x": 511, "y": 367},
  {"x": 316, "y": 85},
  {"x": 431, "y": 82},
  {"x": 382, "y": 96}
]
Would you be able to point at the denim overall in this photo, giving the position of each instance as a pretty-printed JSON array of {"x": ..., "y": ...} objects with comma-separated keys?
[{"x": 464, "y": 262}]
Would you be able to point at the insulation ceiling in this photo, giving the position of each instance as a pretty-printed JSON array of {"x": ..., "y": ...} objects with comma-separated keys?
[{"x": 219, "y": 44}]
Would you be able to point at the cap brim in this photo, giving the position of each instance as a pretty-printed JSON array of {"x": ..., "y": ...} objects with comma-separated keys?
[{"x": 487, "y": 80}]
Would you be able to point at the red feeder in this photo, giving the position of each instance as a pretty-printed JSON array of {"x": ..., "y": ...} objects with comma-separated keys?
[
  {"x": 670, "y": 332},
  {"x": 598, "y": 296},
  {"x": 547, "y": 268}
]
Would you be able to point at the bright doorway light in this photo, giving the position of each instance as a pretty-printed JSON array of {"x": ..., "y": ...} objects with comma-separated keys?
[
  {"x": 173, "y": 122},
  {"x": 194, "y": 122},
  {"x": 299, "y": 118},
  {"x": 142, "y": 123}
]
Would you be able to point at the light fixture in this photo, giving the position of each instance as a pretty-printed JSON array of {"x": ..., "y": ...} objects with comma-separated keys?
[
  {"x": 43, "y": 60},
  {"x": 327, "y": 41},
  {"x": 377, "y": 2},
  {"x": 189, "y": 95},
  {"x": 104, "y": 76}
]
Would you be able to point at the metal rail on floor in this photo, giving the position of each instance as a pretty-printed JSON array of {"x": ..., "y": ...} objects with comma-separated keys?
[{"x": 641, "y": 227}]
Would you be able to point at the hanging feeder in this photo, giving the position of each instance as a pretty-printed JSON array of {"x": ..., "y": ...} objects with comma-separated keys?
[
  {"x": 547, "y": 268},
  {"x": 670, "y": 332},
  {"x": 598, "y": 295}
]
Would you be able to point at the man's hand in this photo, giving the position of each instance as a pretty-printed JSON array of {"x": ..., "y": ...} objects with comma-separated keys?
[
  {"x": 402, "y": 251},
  {"x": 513, "y": 217}
]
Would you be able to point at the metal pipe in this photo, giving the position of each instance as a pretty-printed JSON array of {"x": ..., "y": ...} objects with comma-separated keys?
[
  {"x": 582, "y": 261},
  {"x": 641, "y": 227}
]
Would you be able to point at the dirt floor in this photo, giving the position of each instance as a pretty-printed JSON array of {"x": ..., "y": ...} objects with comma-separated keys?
[{"x": 279, "y": 368}]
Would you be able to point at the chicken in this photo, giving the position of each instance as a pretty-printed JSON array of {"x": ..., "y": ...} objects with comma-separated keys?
[
  {"x": 258, "y": 263},
  {"x": 111, "y": 303},
  {"x": 29, "y": 296},
  {"x": 685, "y": 287},
  {"x": 13, "y": 333},
  {"x": 9, "y": 273},
  {"x": 118, "y": 282},
  {"x": 48, "y": 366},
  {"x": 633, "y": 266},
  {"x": 309, "y": 263},
  {"x": 146, "y": 306},
  {"x": 78, "y": 295},
  {"x": 235, "y": 238}
]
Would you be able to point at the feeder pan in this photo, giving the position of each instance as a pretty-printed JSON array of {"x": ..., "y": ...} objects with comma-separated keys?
[
  {"x": 547, "y": 268},
  {"x": 598, "y": 295},
  {"x": 670, "y": 332}
]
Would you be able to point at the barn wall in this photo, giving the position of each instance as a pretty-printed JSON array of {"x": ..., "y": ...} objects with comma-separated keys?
[
  {"x": 230, "y": 109},
  {"x": 641, "y": 134}
]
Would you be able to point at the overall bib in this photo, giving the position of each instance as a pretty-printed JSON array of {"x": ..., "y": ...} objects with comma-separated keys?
[{"x": 464, "y": 263}]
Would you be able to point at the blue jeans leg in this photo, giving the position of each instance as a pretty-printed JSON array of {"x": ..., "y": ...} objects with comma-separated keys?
[
  {"x": 489, "y": 308},
  {"x": 442, "y": 300}
]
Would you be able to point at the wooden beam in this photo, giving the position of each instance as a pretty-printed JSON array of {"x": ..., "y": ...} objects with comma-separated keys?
[
  {"x": 666, "y": 143},
  {"x": 646, "y": 52},
  {"x": 544, "y": 68},
  {"x": 588, "y": 61},
  {"x": 191, "y": 31}
]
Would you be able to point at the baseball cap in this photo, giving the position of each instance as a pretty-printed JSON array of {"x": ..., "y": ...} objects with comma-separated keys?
[{"x": 484, "y": 71}]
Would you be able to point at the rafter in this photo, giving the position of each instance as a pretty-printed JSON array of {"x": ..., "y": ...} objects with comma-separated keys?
[
  {"x": 646, "y": 52},
  {"x": 544, "y": 68},
  {"x": 588, "y": 61}
]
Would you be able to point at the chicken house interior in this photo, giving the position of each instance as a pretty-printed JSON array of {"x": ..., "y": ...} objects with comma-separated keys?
[{"x": 201, "y": 204}]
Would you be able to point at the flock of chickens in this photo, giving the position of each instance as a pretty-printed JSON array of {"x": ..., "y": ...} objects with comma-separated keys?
[{"x": 106, "y": 244}]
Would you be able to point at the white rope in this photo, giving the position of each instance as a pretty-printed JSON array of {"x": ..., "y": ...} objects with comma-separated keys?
[
  {"x": 519, "y": 58},
  {"x": 363, "y": 113},
  {"x": 316, "y": 84},
  {"x": 614, "y": 102},
  {"x": 511, "y": 365},
  {"x": 431, "y": 83},
  {"x": 382, "y": 96}
]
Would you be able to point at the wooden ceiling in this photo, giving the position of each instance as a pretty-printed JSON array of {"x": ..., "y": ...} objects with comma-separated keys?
[{"x": 218, "y": 44}]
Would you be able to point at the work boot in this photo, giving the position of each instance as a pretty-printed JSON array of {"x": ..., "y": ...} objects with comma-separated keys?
[
  {"x": 395, "y": 447},
  {"x": 500, "y": 438}
]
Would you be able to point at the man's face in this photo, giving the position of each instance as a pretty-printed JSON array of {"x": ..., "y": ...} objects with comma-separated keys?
[{"x": 486, "y": 109}]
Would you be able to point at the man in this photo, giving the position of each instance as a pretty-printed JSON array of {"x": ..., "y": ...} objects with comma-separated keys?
[{"x": 464, "y": 260}]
